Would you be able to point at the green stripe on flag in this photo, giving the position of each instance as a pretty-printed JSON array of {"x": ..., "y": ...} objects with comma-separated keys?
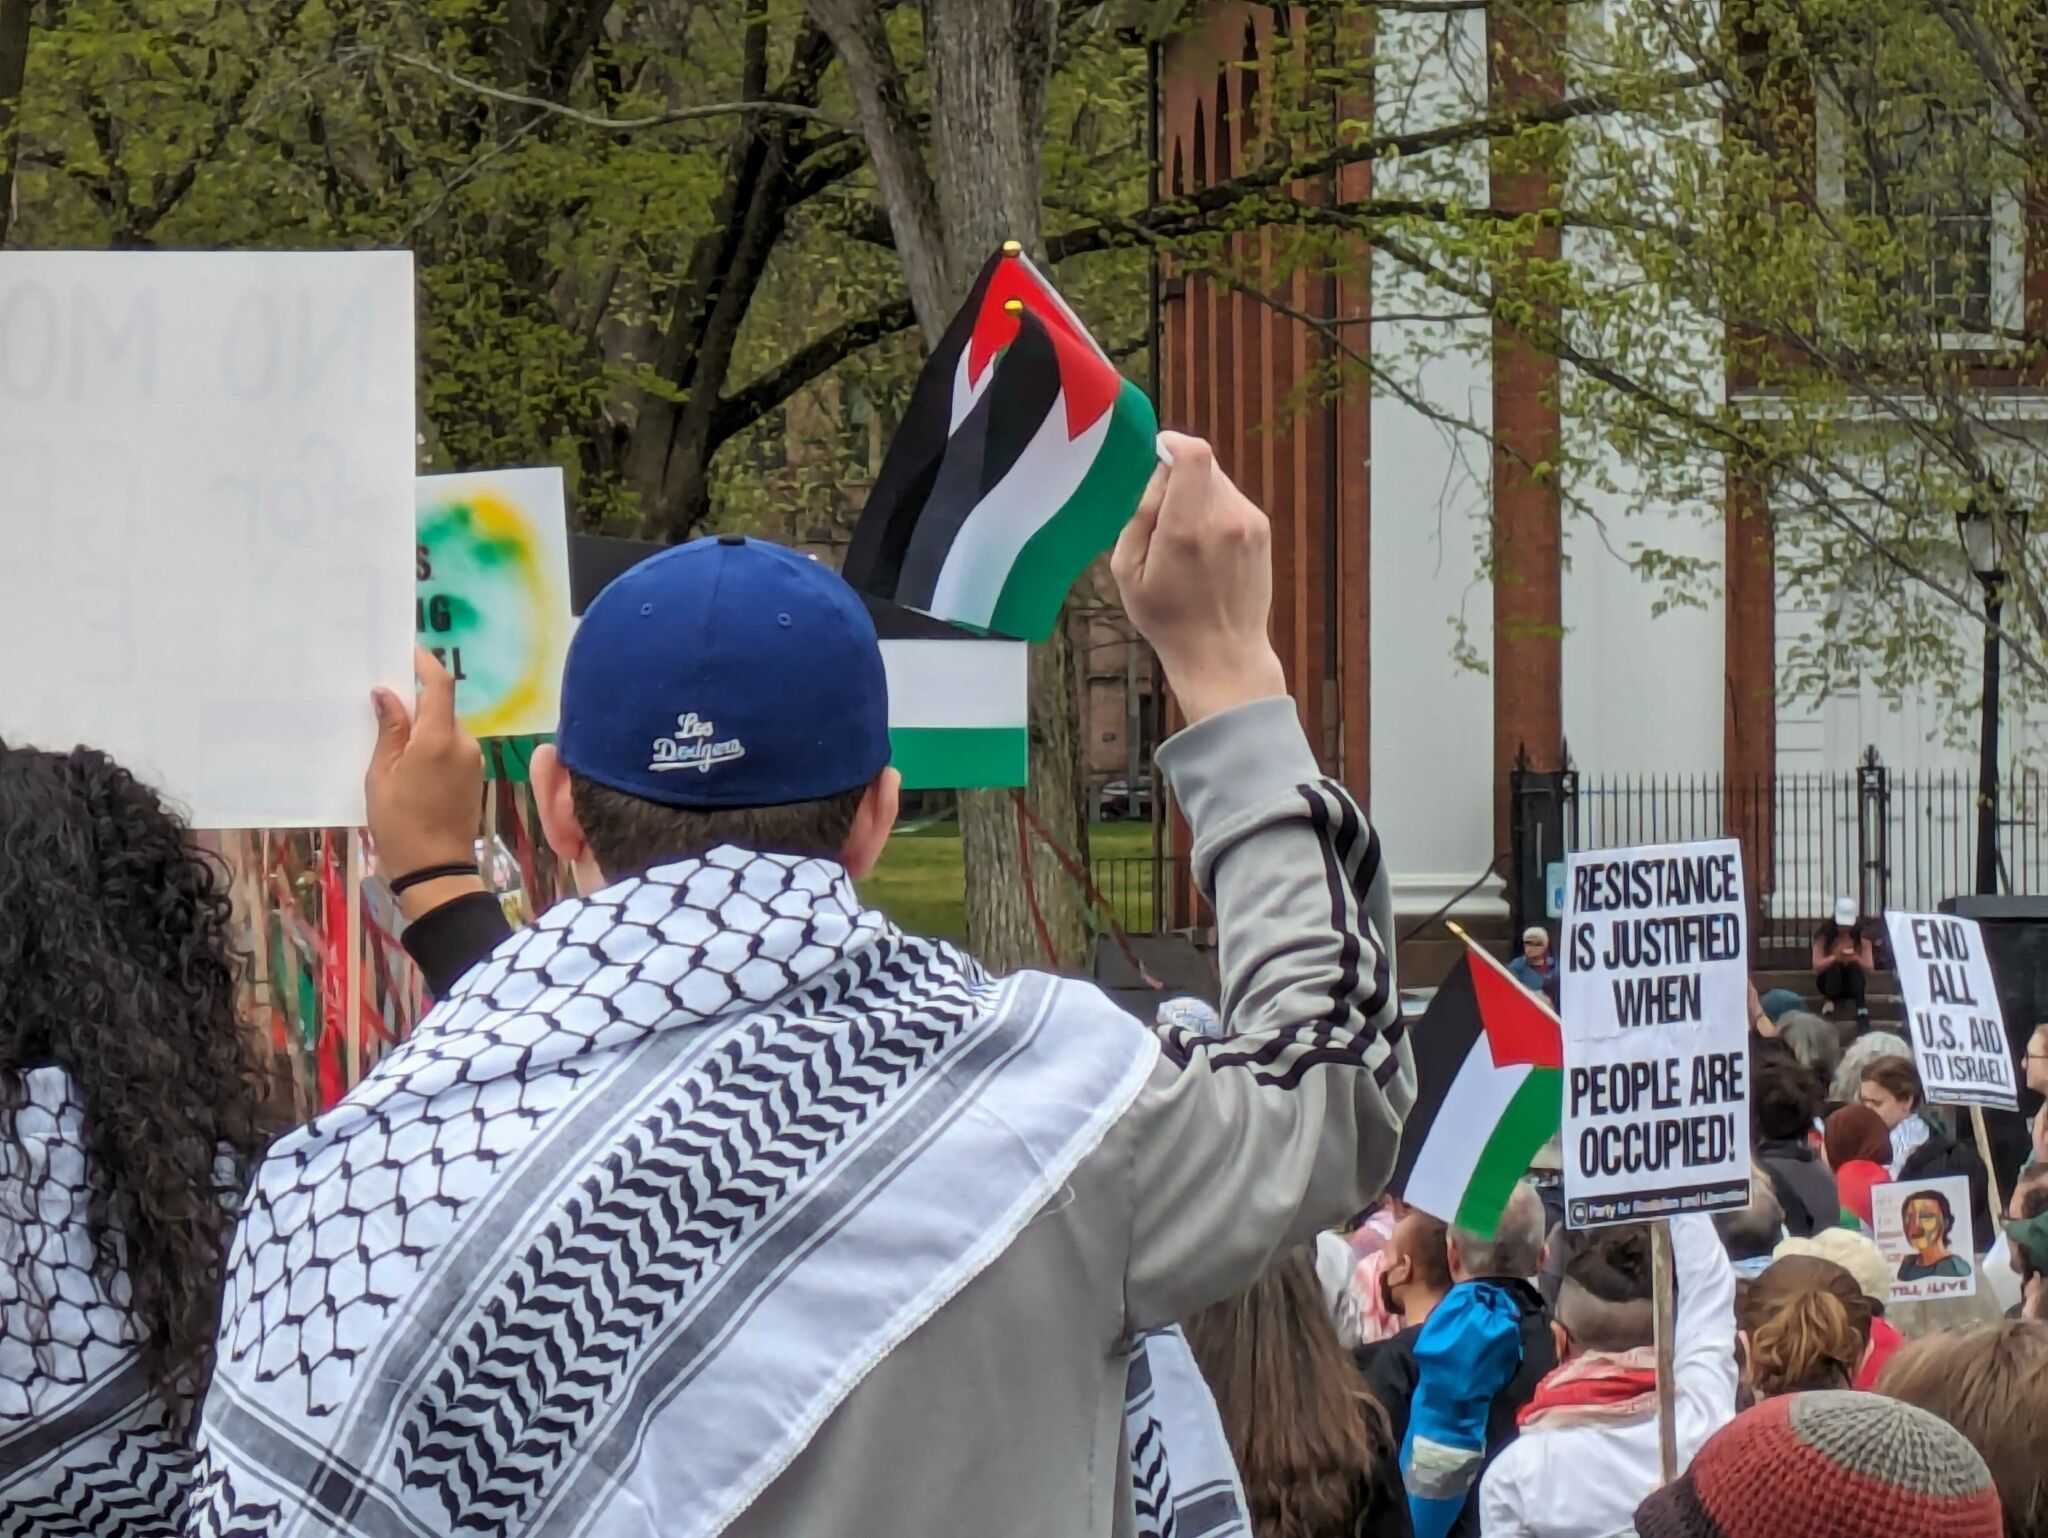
[
  {"x": 1085, "y": 526},
  {"x": 957, "y": 757},
  {"x": 1530, "y": 1120}
]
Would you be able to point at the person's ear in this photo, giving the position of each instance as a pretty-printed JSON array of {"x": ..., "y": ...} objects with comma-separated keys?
[
  {"x": 872, "y": 825},
  {"x": 1457, "y": 1261},
  {"x": 556, "y": 800},
  {"x": 1561, "y": 1341}
]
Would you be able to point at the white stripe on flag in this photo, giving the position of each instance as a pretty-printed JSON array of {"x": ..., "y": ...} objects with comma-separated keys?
[
  {"x": 1471, "y": 1109},
  {"x": 957, "y": 683},
  {"x": 1043, "y": 480},
  {"x": 966, "y": 391}
]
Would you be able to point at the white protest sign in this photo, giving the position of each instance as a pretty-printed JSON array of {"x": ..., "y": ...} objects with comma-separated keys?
[
  {"x": 1654, "y": 1000},
  {"x": 1954, "y": 1019},
  {"x": 206, "y": 518},
  {"x": 1924, "y": 1232}
]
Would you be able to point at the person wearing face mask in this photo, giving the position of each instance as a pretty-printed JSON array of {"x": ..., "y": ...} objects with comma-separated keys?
[{"x": 1471, "y": 1356}]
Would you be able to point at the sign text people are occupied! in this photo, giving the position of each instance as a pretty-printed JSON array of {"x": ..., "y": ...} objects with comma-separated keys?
[{"x": 1654, "y": 1003}]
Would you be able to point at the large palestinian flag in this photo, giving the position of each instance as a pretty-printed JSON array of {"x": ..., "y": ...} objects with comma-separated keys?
[
  {"x": 1489, "y": 1075},
  {"x": 1021, "y": 456}
]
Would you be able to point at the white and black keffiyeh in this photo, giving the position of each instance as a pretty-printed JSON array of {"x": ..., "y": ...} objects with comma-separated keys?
[
  {"x": 1183, "y": 1478},
  {"x": 635, "y": 1209},
  {"x": 87, "y": 1447}
]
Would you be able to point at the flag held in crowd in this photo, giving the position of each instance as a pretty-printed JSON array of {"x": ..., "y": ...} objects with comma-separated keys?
[
  {"x": 1022, "y": 455},
  {"x": 1489, "y": 1072}
]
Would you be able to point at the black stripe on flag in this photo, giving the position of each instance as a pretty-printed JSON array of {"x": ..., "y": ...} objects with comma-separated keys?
[
  {"x": 991, "y": 439},
  {"x": 1441, "y": 1041},
  {"x": 874, "y": 559}
]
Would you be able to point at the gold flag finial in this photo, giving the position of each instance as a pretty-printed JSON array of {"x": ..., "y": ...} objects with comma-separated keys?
[
  {"x": 1014, "y": 306},
  {"x": 1013, "y": 248}
]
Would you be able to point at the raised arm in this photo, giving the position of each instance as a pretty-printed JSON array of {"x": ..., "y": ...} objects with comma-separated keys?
[
  {"x": 1247, "y": 1146},
  {"x": 1703, "y": 1337},
  {"x": 424, "y": 790}
]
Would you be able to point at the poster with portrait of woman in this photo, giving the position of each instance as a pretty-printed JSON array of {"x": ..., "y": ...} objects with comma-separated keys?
[{"x": 1923, "y": 1230}]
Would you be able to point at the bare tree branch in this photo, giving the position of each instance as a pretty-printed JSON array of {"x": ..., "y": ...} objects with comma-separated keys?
[
  {"x": 895, "y": 147},
  {"x": 761, "y": 395},
  {"x": 764, "y": 108}
]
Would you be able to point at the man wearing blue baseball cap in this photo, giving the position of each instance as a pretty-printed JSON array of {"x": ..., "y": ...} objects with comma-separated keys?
[{"x": 715, "y": 1203}]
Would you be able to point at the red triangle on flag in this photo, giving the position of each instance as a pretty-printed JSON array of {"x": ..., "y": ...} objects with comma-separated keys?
[
  {"x": 1519, "y": 1027},
  {"x": 1089, "y": 379}
]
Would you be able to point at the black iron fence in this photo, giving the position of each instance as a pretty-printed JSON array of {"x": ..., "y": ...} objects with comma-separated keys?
[
  {"x": 1889, "y": 840},
  {"x": 1138, "y": 889}
]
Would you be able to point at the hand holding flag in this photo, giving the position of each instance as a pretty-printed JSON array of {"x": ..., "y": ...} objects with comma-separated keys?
[{"x": 1195, "y": 570}]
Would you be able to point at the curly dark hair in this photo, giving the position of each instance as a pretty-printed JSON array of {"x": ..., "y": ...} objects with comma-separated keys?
[{"x": 116, "y": 965}]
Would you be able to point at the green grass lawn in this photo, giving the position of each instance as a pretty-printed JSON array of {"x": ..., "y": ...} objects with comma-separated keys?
[{"x": 919, "y": 885}]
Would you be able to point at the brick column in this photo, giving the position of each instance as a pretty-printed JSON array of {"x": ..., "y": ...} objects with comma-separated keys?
[
  {"x": 1749, "y": 732},
  {"x": 1523, "y": 44}
]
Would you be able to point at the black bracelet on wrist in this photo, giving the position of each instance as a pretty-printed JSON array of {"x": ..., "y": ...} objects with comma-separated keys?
[{"x": 413, "y": 878}]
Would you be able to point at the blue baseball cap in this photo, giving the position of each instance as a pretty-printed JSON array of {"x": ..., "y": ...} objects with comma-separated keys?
[{"x": 726, "y": 672}]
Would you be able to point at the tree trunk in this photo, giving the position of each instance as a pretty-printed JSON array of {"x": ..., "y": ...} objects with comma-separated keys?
[
  {"x": 986, "y": 61},
  {"x": 14, "y": 30}
]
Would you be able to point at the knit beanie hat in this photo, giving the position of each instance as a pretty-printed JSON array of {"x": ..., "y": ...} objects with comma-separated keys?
[
  {"x": 1830, "y": 1465},
  {"x": 1855, "y": 1253}
]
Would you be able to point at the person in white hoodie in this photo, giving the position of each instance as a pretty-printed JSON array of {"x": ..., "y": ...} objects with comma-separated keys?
[{"x": 1587, "y": 1454}]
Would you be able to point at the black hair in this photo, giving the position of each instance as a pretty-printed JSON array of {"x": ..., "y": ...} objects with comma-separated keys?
[
  {"x": 116, "y": 965},
  {"x": 1785, "y": 1097},
  {"x": 1615, "y": 1266}
]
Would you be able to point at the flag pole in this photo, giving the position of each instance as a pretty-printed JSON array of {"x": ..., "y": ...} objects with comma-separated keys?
[
  {"x": 1472, "y": 945},
  {"x": 1990, "y": 1169},
  {"x": 1663, "y": 1284}
]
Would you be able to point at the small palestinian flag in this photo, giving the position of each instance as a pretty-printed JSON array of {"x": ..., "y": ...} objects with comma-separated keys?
[
  {"x": 1021, "y": 457},
  {"x": 1489, "y": 1074}
]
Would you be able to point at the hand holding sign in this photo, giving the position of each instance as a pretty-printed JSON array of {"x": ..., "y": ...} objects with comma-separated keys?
[
  {"x": 424, "y": 786},
  {"x": 1195, "y": 570}
]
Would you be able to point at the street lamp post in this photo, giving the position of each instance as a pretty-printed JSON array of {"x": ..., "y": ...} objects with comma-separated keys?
[{"x": 1988, "y": 546}]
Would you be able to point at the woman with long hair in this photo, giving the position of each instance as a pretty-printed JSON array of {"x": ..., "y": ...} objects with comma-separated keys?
[
  {"x": 1313, "y": 1447},
  {"x": 129, "y": 1117}
]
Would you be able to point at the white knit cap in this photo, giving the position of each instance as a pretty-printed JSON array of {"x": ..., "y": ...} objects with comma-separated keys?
[{"x": 1855, "y": 1253}]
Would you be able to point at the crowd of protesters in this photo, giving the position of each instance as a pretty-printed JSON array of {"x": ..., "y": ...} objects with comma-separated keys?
[{"x": 710, "y": 1321}]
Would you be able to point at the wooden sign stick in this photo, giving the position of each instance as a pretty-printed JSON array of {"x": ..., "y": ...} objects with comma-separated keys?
[{"x": 1663, "y": 1288}]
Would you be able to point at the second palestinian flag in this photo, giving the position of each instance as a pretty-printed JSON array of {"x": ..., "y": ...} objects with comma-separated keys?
[
  {"x": 1021, "y": 456},
  {"x": 1489, "y": 1074}
]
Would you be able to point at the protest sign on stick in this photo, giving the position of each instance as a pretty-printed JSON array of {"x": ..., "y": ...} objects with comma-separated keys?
[
  {"x": 1654, "y": 1003},
  {"x": 1923, "y": 1230},
  {"x": 1955, "y": 1022},
  {"x": 1956, "y": 1025},
  {"x": 206, "y": 467},
  {"x": 493, "y": 599}
]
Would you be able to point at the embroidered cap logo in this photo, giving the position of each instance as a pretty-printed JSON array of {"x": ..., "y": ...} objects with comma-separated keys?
[{"x": 694, "y": 744}]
